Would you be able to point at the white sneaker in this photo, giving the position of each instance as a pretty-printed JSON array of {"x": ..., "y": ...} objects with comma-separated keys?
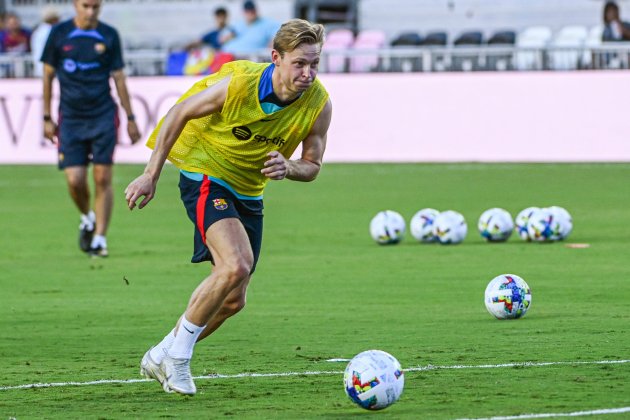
[
  {"x": 178, "y": 376},
  {"x": 151, "y": 370}
]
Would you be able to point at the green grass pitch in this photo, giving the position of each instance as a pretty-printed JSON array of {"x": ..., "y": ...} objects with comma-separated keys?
[{"x": 323, "y": 289}]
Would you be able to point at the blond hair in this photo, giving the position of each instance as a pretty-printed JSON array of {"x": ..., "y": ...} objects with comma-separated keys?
[{"x": 296, "y": 32}]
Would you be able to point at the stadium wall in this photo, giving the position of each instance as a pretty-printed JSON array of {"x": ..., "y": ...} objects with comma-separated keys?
[{"x": 485, "y": 117}]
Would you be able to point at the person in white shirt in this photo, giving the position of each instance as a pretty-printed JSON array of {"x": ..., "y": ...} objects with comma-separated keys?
[{"x": 50, "y": 17}]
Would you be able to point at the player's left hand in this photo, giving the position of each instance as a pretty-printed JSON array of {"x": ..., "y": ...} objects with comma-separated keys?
[
  {"x": 132, "y": 130},
  {"x": 143, "y": 186},
  {"x": 276, "y": 167}
]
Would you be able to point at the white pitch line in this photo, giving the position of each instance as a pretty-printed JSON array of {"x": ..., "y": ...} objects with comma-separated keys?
[
  {"x": 310, "y": 373},
  {"x": 547, "y": 415}
]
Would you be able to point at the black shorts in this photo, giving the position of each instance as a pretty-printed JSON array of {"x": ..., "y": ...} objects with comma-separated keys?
[
  {"x": 207, "y": 202},
  {"x": 82, "y": 141}
]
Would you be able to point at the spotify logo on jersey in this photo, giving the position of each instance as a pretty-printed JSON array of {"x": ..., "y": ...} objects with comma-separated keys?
[{"x": 242, "y": 133}]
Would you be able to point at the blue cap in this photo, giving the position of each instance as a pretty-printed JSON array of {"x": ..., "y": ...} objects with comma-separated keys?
[{"x": 249, "y": 5}]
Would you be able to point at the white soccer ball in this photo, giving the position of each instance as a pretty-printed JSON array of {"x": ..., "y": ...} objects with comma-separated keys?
[
  {"x": 561, "y": 224},
  {"x": 421, "y": 225},
  {"x": 450, "y": 227},
  {"x": 387, "y": 227},
  {"x": 495, "y": 225},
  {"x": 374, "y": 380},
  {"x": 539, "y": 225},
  {"x": 508, "y": 297},
  {"x": 521, "y": 222}
]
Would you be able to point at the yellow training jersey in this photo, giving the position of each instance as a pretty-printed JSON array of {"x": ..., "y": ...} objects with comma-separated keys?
[{"x": 232, "y": 145}]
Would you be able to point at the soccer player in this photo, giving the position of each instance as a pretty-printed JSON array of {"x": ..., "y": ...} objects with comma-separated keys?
[
  {"x": 229, "y": 135},
  {"x": 83, "y": 53}
]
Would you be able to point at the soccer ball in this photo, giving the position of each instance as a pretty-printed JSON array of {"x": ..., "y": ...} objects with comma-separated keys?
[
  {"x": 495, "y": 225},
  {"x": 421, "y": 225},
  {"x": 539, "y": 225},
  {"x": 449, "y": 227},
  {"x": 561, "y": 224},
  {"x": 508, "y": 297},
  {"x": 521, "y": 222},
  {"x": 387, "y": 227},
  {"x": 374, "y": 380}
]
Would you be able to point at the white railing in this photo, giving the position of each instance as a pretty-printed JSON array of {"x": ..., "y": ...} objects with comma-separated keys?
[{"x": 152, "y": 62}]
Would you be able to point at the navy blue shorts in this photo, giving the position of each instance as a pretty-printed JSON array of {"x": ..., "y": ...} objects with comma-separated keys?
[
  {"x": 207, "y": 202},
  {"x": 82, "y": 141}
]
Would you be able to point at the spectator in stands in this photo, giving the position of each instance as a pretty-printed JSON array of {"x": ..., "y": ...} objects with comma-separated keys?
[
  {"x": 84, "y": 54},
  {"x": 216, "y": 37},
  {"x": 14, "y": 38},
  {"x": 252, "y": 35},
  {"x": 50, "y": 17},
  {"x": 614, "y": 28}
]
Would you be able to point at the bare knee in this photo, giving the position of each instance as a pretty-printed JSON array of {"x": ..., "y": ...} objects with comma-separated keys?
[
  {"x": 76, "y": 182},
  {"x": 234, "y": 305},
  {"x": 238, "y": 271},
  {"x": 102, "y": 181}
]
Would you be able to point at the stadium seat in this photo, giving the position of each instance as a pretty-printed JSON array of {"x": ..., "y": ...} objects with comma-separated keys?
[
  {"x": 500, "y": 60},
  {"x": 502, "y": 38},
  {"x": 338, "y": 41},
  {"x": 542, "y": 33},
  {"x": 466, "y": 61},
  {"x": 469, "y": 38},
  {"x": 367, "y": 40},
  {"x": 436, "y": 39},
  {"x": 412, "y": 62},
  {"x": 567, "y": 46},
  {"x": 531, "y": 42},
  {"x": 407, "y": 39},
  {"x": 341, "y": 36}
]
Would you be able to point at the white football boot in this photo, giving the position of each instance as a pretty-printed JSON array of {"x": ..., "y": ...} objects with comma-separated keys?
[
  {"x": 178, "y": 376},
  {"x": 151, "y": 370}
]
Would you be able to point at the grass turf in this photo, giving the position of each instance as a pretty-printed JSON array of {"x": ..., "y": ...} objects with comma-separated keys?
[{"x": 323, "y": 289}]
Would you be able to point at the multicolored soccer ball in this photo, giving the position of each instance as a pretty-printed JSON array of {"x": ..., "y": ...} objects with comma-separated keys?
[
  {"x": 561, "y": 224},
  {"x": 508, "y": 297},
  {"x": 540, "y": 225},
  {"x": 450, "y": 227},
  {"x": 495, "y": 225},
  {"x": 521, "y": 222},
  {"x": 421, "y": 225},
  {"x": 387, "y": 227},
  {"x": 374, "y": 380}
]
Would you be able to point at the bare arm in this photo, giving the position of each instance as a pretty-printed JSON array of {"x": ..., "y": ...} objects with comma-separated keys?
[
  {"x": 50, "y": 127},
  {"x": 123, "y": 94},
  {"x": 204, "y": 103},
  {"x": 307, "y": 167}
]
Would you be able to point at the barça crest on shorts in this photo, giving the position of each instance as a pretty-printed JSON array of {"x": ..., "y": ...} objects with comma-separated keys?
[{"x": 220, "y": 204}]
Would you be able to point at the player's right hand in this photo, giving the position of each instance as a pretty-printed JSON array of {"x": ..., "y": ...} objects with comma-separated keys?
[
  {"x": 50, "y": 131},
  {"x": 139, "y": 187}
]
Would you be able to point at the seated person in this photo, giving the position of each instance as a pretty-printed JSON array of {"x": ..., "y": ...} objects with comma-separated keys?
[
  {"x": 216, "y": 37},
  {"x": 614, "y": 28},
  {"x": 252, "y": 35},
  {"x": 14, "y": 38}
]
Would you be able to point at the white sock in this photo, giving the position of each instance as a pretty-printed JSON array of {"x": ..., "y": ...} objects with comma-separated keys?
[
  {"x": 185, "y": 340},
  {"x": 88, "y": 220},
  {"x": 158, "y": 352},
  {"x": 98, "y": 240}
]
